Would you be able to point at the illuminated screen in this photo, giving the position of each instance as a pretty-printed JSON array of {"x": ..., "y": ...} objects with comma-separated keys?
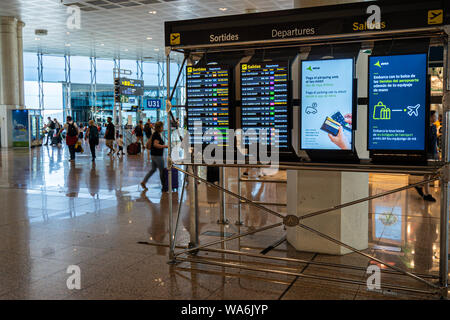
[
  {"x": 208, "y": 104},
  {"x": 326, "y": 104},
  {"x": 397, "y": 102},
  {"x": 264, "y": 95}
]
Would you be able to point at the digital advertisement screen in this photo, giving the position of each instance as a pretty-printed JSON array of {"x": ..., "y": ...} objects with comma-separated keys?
[
  {"x": 326, "y": 104},
  {"x": 207, "y": 92},
  {"x": 397, "y": 102},
  {"x": 264, "y": 95}
]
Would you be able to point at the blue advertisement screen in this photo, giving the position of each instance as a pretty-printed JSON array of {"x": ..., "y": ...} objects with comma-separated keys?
[
  {"x": 327, "y": 104},
  {"x": 397, "y": 102}
]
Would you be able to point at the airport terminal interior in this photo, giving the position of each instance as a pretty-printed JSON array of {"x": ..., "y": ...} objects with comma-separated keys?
[{"x": 355, "y": 205}]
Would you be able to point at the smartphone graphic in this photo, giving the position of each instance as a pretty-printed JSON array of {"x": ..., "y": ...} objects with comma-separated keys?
[
  {"x": 331, "y": 126},
  {"x": 338, "y": 117}
]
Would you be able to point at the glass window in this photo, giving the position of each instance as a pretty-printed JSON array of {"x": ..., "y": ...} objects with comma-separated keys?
[
  {"x": 129, "y": 65},
  {"x": 31, "y": 89},
  {"x": 105, "y": 71},
  {"x": 80, "y": 69},
  {"x": 53, "y": 68},
  {"x": 150, "y": 74},
  {"x": 53, "y": 96},
  {"x": 30, "y": 66}
]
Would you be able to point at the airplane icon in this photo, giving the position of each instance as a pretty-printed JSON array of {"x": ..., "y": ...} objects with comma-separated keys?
[
  {"x": 413, "y": 110},
  {"x": 377, "y": 64},
  {"x": 435, "y": 14}
]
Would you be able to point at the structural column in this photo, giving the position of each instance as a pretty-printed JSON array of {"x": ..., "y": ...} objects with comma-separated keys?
[{"x": 11, "y": 74}]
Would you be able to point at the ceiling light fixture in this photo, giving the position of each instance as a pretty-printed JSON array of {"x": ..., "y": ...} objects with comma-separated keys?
[
  {"x": 152, "y": 12},
  {"x": 67, "y": 44},
  {"x": 149, "y": 38},
  {"x": 126, "y": 49},
  {"x": 102, "y": 44},
  {"x": 223, "y": 9},
  {"x": 156, "y": 49},
  {"x": 37, "y": 38}
]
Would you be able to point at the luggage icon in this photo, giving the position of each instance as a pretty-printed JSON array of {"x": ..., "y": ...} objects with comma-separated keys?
[{"x": 381, "y": 112}]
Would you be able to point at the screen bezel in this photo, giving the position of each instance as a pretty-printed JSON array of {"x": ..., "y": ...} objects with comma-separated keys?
[
  {"x": 354, "y": 111},
  {"x": 231, "y": 99},
  {"x": 427, "y": 108},
  {"x": 288, "y": 148}
]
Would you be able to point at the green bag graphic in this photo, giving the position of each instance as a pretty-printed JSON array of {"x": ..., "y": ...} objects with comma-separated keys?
[{"x": 381, "y": 112}]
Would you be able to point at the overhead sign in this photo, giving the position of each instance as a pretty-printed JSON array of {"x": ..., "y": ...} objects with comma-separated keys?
[
  {"x": 326, "y": 104},
  {"x": 307, "y": 22},
  {"x": 397, "y": 102},
  {"x": 153, "y": 104}
]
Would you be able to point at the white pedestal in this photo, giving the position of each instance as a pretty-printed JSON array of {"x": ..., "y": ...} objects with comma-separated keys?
[{"x": 310, "y": 191}]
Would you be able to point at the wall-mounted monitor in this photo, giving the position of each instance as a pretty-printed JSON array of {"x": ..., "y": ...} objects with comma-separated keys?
[
  {"x": 208, "y": 103},
  {"x": 327, "y": 104},
  {"x": 397, "y": 112},
  {"x": 265, "y": 102}
]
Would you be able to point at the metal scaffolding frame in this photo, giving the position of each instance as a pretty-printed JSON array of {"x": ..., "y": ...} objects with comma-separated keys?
[
  {"x": 93, "y": 85},
  {"x": 40, "y": 80},
  {"x": 68, "y": 87},
  {"x": 437, "y": 171}
]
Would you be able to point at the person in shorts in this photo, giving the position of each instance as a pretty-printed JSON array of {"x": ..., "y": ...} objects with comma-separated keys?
[{"x": 120, "y": 145}]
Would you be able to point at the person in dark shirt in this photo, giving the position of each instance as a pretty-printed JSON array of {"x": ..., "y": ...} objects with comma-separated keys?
[
  {"x": 139, "y": 132},
  {"x": 110, "y": 136},
  {"x": 157, "y": 147}
]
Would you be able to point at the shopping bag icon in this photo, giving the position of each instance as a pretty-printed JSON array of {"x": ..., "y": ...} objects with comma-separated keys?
[{"x": 381, "y": 112}]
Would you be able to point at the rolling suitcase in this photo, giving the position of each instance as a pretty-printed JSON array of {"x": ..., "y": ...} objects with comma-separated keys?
[
  {"x": 133, "y": 149},
  {"x": 174, "y": 179}
]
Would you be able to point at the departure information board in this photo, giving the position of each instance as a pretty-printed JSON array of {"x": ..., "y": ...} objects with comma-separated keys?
[
  {"x": 208, "y": 103},
  {"x": 265, "y": 97}
]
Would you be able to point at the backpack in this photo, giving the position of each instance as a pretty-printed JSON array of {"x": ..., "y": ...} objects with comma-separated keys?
[
  {"x": 147, "y": 130},
  {"x": 93, "y": 133},
  {"x": 72, "y": 131},
  {"x": 52, "y": 125},
  {"x": 138, "y": 130}
]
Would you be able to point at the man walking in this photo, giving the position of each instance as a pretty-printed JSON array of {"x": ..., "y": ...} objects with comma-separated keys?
[
  {"x": 51, "y": 130},
  {"x": 110, "y": 136},
  {"x": 71, "y": 136}
]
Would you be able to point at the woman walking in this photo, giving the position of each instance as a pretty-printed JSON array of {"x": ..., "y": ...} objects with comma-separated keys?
[
  {"x": 92, "y": 135},
  {"x": 157, "y": 147}
]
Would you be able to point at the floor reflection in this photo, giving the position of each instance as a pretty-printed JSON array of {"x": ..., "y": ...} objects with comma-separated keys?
[{"x": 96, "y": 215}]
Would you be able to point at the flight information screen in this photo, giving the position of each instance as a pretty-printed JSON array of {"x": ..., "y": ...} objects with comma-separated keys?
[
  {"x": 208, "y": 104},
  {"x": 264, "y": 95}
]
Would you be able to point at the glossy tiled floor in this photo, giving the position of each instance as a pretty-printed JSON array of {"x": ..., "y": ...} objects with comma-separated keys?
[{"x": 55, "y": 214}]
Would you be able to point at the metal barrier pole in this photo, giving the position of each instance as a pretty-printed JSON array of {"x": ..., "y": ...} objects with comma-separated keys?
[
  {"x": 222, "y": 218},
  {"x": 194, "y": 213},
  {"x": 239, "y": 219},
  {"x": 169, "y": 161},
  {"x": 444, "y": 216}
]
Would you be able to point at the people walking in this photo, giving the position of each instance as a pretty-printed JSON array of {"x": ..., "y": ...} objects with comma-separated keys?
[
  {"x": 110, "y": 136},
  {"x": 157, "y": 147},
  {"x": 58, "y": 127},
  {"x": 51, "y": 130},
  {"x": 92, "y": 137},
  {"x": 139, "y": 132},
  {"x": 72, "y": 132}
]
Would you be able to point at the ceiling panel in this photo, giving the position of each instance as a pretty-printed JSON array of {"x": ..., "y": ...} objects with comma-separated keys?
[{"x": 116, "y": 28}]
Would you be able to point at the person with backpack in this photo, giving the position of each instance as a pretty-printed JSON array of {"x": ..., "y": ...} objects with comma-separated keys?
[
  {"x": 92, "y": 137},
  {"x": 51, "y": 130},
  {"x": 148, "y": 129},
  {"x": 110, "y": 136},
  {"x": 72, "y": 132},
  {"x": 139, "y": 132}
]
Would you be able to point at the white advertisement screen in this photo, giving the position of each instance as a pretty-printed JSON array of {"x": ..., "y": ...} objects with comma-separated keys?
[{"x": 326, "y": 104}]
